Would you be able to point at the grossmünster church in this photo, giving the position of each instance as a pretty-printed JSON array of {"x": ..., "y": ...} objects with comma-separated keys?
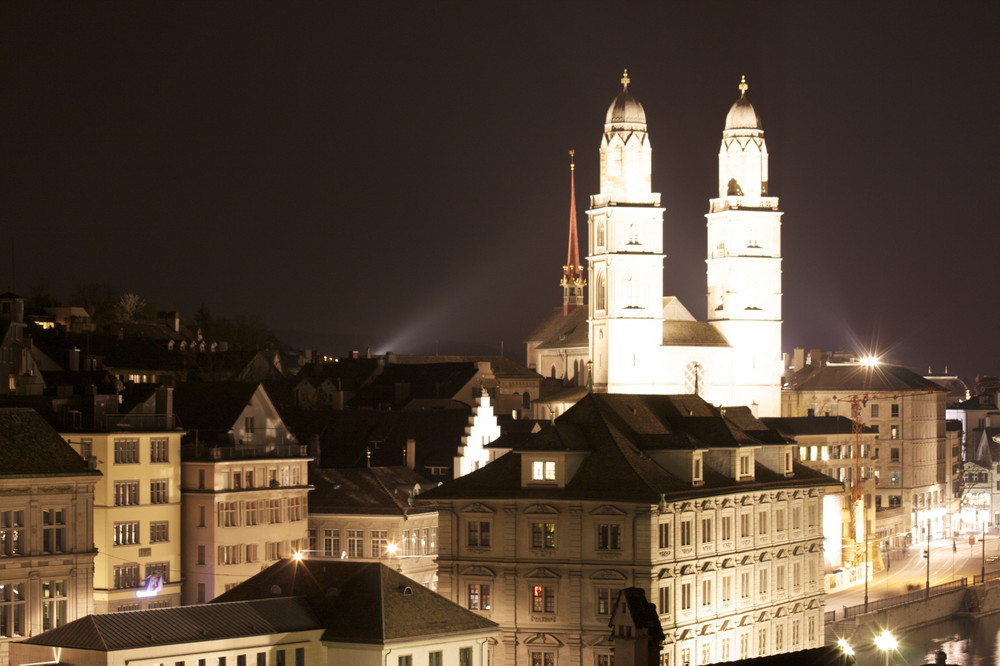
[{"x": 630, "y": 338}]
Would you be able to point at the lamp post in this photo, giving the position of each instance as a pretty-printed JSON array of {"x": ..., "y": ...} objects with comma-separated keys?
[
  {"x": 845, "y": 650},
  {"x": 927, "y": 586},
  {"x": 887, "y": 643},
  {"x": 984, "y": 551}
]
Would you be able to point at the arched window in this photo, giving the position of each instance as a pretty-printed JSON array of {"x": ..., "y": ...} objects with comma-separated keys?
[
  {"x": 632, "y": 289},
  {"x": 552, "y": 372},
  {"x": 694, "y": 378},
  {"x": 600, "y": 233},
  {"x": 633, "y": 234},
  {"x": 601, "y": 297}
]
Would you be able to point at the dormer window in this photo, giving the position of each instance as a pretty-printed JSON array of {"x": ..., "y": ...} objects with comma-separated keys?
[
  {"x": 696, "y": 471},
  {"x": 543, "y": 470},
  {"x": 744, "y": 465},
  {"x": 788, "y": 461}
]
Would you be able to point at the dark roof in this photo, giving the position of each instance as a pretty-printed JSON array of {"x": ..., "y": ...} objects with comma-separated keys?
[
  {"x": 981, "y": 401},
  {"x": 830, "y": 655},
  {"x": 856, "y": 377},
  {"x": 680, "y": 332},
  {"x": 813, "y": 425},
  {"x": 364, "y": 490},
  {"x": 558, "y": 331},
  {"x": 401, "y": 383},
  {"x": 211, "y": 405},
  {"x": 344, "y": 435},
  {"x": 29, "y": 446},
  {"x": 615, "y": 433},
  {"x": 361, "y": 602},
  {"x": 347, "y": 373},
  {"x": 501, "y": 366},
  {"x": 181, "y": 624}
]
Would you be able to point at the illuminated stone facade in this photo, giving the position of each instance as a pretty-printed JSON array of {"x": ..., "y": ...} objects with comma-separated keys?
[
  {"x": 707, "y": 512},
  {"x": 642, "y": 342}
]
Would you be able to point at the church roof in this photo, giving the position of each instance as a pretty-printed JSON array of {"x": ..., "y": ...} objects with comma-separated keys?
[
  {"x": 558, "y": 331},
  {"x": 680, "y": 333},
  {"x": 616, "y": 433},
  {"x": 742, "y": 115},
  {"x": 625, "y": 109}
]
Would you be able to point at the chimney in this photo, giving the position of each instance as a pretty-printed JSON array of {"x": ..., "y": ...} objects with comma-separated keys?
[
  {"x": 411, "y": 453},
  {"x": 74, "y": 359}
]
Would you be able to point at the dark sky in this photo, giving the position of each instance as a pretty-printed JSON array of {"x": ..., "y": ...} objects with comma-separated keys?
[{"x": 394, "y": 175}]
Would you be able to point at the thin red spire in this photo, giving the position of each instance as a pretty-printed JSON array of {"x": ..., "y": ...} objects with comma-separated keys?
[{"x": 572, "y": 281}]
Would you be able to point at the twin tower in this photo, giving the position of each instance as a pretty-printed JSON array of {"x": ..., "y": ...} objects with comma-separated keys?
[{"x": 642, "y": 342}]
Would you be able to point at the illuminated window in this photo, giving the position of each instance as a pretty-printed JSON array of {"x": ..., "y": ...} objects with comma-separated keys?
[
  {"x": 54, "y": 600},
  {"x": 161, "y": 569},
  {"x": 355, "y": 543},
  {"x": 543, "y": 535},
  {"x": 894, "y": 432},
  {"x": 126, "y": 576},
  {"x": 479, "y": 596},
  {"x": 543, "y": 599},
  {"x": 543, "y": 470},
  {"x": 126, "y": 534},
  {"x": 543, "y": 658}
]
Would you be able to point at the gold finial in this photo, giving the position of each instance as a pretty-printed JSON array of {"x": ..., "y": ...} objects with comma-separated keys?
[
  {"x": 572, "y": 166},
  {"x": 743, "y": 85},
  {"x": 625, "y": 79}
]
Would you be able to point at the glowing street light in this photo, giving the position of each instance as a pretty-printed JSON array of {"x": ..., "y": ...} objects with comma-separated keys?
[
  {"x": 391, "y": 549},
  {"x": 297, "y": 555},
  {"x": 869, "y": 361},
  {"x": 887, "y": 643},
  {"x": 845, "y": 647}
]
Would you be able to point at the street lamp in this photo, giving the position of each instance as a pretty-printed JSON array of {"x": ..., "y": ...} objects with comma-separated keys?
[
  {"x": 887, "y": 643},
  {"x": 845, "y": 649}
]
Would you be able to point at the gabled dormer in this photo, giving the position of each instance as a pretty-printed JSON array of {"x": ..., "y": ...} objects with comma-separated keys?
[
  {"x": 735, "y": 462},
  {"x": 777, "y": 458},
  {"x": 552, "y": 469},
  {"x": 686, "y": 464}
]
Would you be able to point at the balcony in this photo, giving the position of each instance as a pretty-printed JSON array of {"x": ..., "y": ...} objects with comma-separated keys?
[{"x": 205, "y": 452}]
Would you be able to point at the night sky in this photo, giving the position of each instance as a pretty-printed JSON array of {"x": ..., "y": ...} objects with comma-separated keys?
[{"x": 394, "y": 175}]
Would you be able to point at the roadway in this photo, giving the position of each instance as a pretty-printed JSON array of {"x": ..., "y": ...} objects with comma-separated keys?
[{"x": 907, "y": 570}]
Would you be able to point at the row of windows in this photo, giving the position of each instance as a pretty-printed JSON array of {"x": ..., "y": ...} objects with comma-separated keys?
[
  {"x": 260, "y": 477},
  {"x": 415, "y": 542},
  {"x": 727, "y": 587},
  {"x": 260, "y": 659},
  {"x": 127, "y": 533},
  {"x": 258, "y": 512},
  {"x": 436, "y": 658},
  {"x": 127, "y": 575},
  {"x": 777, "y": 644},
  {"x": 13, "y": 602},
  {"x": 13, "y": 533},
  {"x": 243, "y": 553},
  {"x": 126, "y": 451},
  {"x": 127, "y": 492}
]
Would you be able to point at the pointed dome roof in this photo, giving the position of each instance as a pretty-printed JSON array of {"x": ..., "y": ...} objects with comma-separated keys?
[
  {"x": 742, "y": 115},
  {"x": 625, "y": 108}
]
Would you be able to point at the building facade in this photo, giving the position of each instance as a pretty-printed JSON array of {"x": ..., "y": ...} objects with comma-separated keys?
[
  {"x": 714, "y": 521},
  {"x": 46, "y": 529}
]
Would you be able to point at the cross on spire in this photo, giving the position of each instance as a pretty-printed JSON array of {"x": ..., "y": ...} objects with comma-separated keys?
[
  {"x": 625, "y": 79},
  {"x": 743, "y": 85}
]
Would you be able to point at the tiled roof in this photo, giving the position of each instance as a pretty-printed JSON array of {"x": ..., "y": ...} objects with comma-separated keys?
[
  {"x": 831, "y": 655},
  {"x": 813, "y": 425},
  {"x": 856, "y": 377},
  {"x": 211, "y": 405},
  {"x": 562, "y": 332},
  {"x": 501, "y": 366},
  {"x": 400, "y": 383},
  {"x": 616, "y": 433},
  {"x": 361, "y": 602},
  {"x": 364, "y": 490},
  {"x": 345, "y": 435},
  {"x": 182, "y": 624},
  {"x": 29, "y": 446}
]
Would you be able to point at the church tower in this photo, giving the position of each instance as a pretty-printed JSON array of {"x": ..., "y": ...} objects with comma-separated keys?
[
  {"x": 625, "y": 230},
  {"x": 572, "y": 280},
  {"x": 744, "y": 261}
]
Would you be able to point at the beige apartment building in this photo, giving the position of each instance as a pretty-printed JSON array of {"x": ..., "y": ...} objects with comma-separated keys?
[
  {"x": 913, "y": 460},
  {"x": 137, "y": 503},
  {"x": 706, "y": 510},
  {"x": 245, "y": 487}
]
